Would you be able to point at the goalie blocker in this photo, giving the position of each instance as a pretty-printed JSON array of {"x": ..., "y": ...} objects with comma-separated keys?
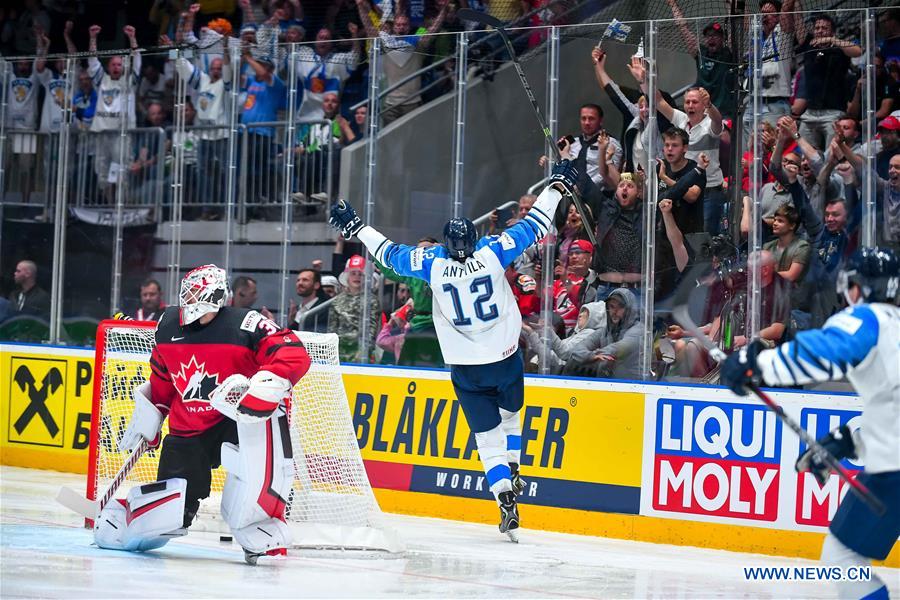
[{"x": 200, "y": 345}]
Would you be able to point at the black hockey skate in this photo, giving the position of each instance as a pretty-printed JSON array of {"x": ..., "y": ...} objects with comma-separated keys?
[
  {"x": 251, "y": 557},
  {"x": 518, "y": 484},
  {"x": 509, "y": 515}
]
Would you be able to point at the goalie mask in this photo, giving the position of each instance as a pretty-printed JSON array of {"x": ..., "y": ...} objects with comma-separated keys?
[
  {"x": 204, "y": 290},
  {"x": 459, "y": 238}
]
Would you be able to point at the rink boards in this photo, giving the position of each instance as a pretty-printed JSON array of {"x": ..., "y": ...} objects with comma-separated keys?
[{"x": 660, "y": 463}]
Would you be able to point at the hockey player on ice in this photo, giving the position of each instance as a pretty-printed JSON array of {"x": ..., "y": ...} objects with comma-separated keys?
[
  {"x": 478, "y": 324},
  {"x": 203, "y": 351},
  {"x": 863, "y": 344}
]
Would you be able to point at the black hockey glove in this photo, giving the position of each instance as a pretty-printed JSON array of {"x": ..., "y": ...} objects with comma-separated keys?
[
  {"x": 344, "y": 219},
  {"x": 740, "y": 370},
  {"x": 564, "y": 177},
  {"x": 838, "y": 443}
]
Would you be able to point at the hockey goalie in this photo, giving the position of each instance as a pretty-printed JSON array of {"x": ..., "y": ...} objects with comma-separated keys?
[{"x": 223, "y": 376}]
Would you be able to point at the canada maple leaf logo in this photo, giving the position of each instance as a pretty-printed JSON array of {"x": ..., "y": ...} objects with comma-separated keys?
[{"x": 194, "y": 383}]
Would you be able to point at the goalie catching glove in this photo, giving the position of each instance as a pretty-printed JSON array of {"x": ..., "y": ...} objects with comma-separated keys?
[
  {"x": 344, "y": 219},
  {"x": 839, "y": 443},
  {"x": 250, "y": 400},
  {"x": 146, "y": 421}
]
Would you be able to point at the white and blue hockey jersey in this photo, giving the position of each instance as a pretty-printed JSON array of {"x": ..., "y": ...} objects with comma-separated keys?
[
  {"x": 863, "y": 343},
  {"x": 476, "y": 316}
]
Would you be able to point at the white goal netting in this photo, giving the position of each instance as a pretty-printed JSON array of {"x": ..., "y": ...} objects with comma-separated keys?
[{"x": 331, "y": 504}]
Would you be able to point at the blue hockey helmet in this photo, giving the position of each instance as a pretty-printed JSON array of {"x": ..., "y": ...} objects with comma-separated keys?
[
  {"x": 875, "y": 270},
  {"x": 459, "y": 238}
]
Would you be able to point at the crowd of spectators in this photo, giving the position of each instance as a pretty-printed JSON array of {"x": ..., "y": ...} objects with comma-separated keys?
[
  {"x": 811, "y": 184},
  {"x": 240, "y": 46}
]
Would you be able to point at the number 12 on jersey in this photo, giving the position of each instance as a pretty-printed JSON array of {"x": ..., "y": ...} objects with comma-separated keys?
[{"x": 488, "y": 314}]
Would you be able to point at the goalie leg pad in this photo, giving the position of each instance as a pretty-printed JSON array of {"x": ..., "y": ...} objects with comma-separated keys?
[
  {"x": 264, "y": 535},
  {"x": 147, "y": 519},
  {"x": 260, "y": 476},
  {"x": 492, "y": 450},
  {"x": 512, "y": 427}
]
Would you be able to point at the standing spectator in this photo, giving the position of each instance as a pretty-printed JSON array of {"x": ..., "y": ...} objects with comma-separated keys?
[
  {"x": 29, "y": 298},
  {"x": 84, "y": 102},
  {"x": 687, "y": 207},
  {"x": 404, "y": 55},
  {"x": 819, "y": 180},
  {"x": 636, "y": 137},
  {"x": 346, "y": 313},
  {"x": 584, "y": 151},
  {"x": 21, "y": 117},
  {"x": 116, "y": 101},
  {"x": 55, "y": 83},
  {"x": 887, "y": 220},
  {"x": 822, "y": 97},
  {"x": 31, "y": 20},
  {"x": 619, "y": 227},
  {"x": 152, "y": 305},
  {"x": 320, "y": 69},
  {"x": 213, "y": 110},
  {"x": 889, "y": 134},
  {"x": 309, "y": 289},
  {"x": 887, "y": 92},
  {"x": 780, "y": 30},
  {"x": 833, "y": 246},
  {"x": 154, "y": 87},
  {"x": 315, "y": 141},
  {"x": 889, "y": 25},
  {"x": 703, "y": 123},
  {"x": 715, "y": 62},
  {"x": 265, "y": 97},
  {"x": 245, "y": 292}
]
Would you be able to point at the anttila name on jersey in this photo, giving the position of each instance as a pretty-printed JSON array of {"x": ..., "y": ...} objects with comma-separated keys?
[{"x": 473, "y": 265}]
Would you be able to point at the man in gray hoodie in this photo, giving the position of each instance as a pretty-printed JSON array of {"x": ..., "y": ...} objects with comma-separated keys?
[{"x": 616, "y": 351}]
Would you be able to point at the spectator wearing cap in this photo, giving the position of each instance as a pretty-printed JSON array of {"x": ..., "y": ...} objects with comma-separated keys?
[
  {"x": 321, "y": 70},
  {"x": 347, "y": 311},
  {"x": 265, "y": 97},
  {"x": 822, "y": 96},
  {"x": 889, "y": 135},
  {"x": 715, "y": 62},
  {"x": 572, "y": 230},
  {"x": 579, "y": 276}
]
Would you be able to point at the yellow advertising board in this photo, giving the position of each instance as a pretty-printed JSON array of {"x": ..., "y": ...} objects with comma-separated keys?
[{"x": 46, "y": 404}]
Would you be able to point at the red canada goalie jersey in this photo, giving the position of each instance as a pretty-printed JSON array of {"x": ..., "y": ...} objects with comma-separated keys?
[{"x": 189, "y": 362}]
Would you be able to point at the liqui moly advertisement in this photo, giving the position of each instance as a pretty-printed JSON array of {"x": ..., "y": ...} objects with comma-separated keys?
[{"x": 709, "y": 455}]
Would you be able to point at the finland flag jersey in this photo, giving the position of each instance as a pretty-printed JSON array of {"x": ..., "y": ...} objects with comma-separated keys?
[{"x": 476, "y": 316}]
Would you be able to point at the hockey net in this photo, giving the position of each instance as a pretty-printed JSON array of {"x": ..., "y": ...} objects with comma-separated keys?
[{"x": 331, "y": 503}]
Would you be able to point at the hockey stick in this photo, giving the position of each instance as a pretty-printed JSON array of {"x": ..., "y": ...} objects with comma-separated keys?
[
  {"x": 89, "y": 509},
  {"x": 467, "y": 14},
  {"x": 681, "y": 314}
]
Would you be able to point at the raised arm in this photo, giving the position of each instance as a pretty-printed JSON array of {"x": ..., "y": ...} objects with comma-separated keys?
[
  {"x": 689, "y": 39},
  {"x": 95, "y": 69},
  {"x": 43, "y": 45},
  {"x": 362, "y": 6},
  {"x": 639, "y": 72},
  {"x": 67, "y": 36},
  {"x": 435, "y": 26}
]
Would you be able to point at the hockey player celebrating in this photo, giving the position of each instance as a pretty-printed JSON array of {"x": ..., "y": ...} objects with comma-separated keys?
[
  {"x": 223, "y": 376},
  {"x": 478, "y": 323},
  {"x": 861, "y": 344}
]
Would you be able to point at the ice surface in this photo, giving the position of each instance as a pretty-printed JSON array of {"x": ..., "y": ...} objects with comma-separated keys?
[{"x": 45, "y": 552}]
